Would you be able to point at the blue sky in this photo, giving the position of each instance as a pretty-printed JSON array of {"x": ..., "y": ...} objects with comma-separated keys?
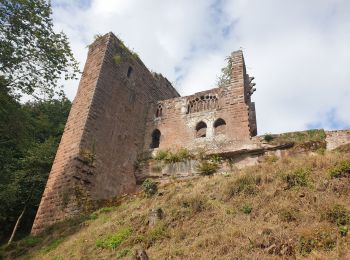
[{"x": 298, "y": 51}]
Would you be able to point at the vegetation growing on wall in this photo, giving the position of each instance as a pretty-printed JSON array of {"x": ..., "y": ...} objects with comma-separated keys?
[{"x": 226, "y": 73}]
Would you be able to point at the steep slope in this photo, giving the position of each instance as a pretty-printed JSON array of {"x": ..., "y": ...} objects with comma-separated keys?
[{"x": 292, "y": 207}]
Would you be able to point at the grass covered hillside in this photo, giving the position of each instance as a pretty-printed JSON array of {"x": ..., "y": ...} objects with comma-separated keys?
[{"x": 297, "y": 207}]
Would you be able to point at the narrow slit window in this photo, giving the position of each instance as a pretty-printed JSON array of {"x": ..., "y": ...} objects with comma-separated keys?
[{"x": 129, "y": 72}]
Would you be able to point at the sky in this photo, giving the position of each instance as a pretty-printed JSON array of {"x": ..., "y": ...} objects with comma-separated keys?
[{"x": 298, "y": 51}]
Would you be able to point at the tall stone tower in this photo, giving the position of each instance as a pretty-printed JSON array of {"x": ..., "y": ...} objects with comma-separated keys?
[{"x": 104, "y": 132}]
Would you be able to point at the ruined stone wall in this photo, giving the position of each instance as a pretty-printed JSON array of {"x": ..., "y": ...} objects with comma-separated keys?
[
  {"x": 338, "y": 138},
  {"x": 180, "y": 117},
  {"x": 104, "y": 132}
]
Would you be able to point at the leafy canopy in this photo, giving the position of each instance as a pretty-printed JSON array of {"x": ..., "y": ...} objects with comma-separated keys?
[{"x": 32, "y": 56}]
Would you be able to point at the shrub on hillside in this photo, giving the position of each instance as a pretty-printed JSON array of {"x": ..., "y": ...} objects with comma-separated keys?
[
  {"x": 206, "y": 167},
  {"x": 319, "y": 239},
  {"x": 297, "y": 178},
  {"x": 246, "y": 185},
  {"x": 340, "y": 216},
  {"x": 341, "y": 169},
  {"x": 247, "y": 209},
  {"x": 150, "y": 187},
  {"x": 268, "y": 137}
]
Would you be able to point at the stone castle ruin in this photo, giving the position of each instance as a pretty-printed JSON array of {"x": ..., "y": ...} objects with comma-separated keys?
[{"x": 123, "y": 112}]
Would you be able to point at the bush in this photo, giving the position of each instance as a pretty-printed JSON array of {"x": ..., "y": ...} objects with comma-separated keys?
[
  {"x": 319, "y": 240},
  {"x": 297, "y": 178},
  {"x": 338, "y": 215},
  {"x": 341, "y": 169},
  {"x": 173, "y": 157},
  {"x": 268, "y": 137},
  {"x": 115, "y": 240},
  {"x": 150, "y": 187},
  {"x": 161, "y": 155},
  {"x": 246, "y": 184},
  {"x": 207, "y": 167},
  {"x": 247, "y": 209}
]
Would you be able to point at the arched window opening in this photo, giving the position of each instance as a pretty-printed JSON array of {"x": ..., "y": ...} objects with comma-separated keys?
[
  {"x": 201, "y": 129},
  {"x": 220, "y": 126},
  {"x": 202, "y": 103},
  {"x": 129, "y": 72},
  {"x": 155, "y": 139},
  {"x": 159, "y": 111}
]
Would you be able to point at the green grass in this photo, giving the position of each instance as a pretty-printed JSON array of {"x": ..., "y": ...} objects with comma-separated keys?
[
  {"x": 52, "y": 246},
  {"x": 315, "y": 135},
  {"x": 114, "y": 240},
  {"x": 341, "y": 169},
  {"x": 297, "y": 178}
]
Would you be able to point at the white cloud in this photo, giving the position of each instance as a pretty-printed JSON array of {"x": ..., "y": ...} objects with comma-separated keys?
[{"x": 298, "y": 50}]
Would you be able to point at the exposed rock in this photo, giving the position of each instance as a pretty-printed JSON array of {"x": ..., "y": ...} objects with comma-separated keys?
[
  {"x": 141, "y": 254},
  {"x": 154, "y": 216}
]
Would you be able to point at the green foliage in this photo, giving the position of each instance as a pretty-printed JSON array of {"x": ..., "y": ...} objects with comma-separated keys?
[
  {"x": 320, "y": 240},
  {"x": 173, "y": 156},
  {"x": 206, "y": 167},
  {"x": 341, "y": 169},
  {"x": 115, "y": 240},
  {"x": 32, "y": 56},
  {"x": 246, "y": 184},
  {"x": 32, "y": 240},
  {"x": 117, "y": 59},
  {"x": 247, "y": 209},
  {"x": 226, "y": 73},
  {"x": 338, "y": 215},
  {"x": 315, "y": 135},
  {"x": 53, "y": 245},
  {"x": 150, "y": 187},
  {"x": 161, "y": 155},
  {"x": 29, "y": 136},
  {"x": 216, "y": 158},
  {"x": 297, "y": 178},
  {"x": 268, "y": 137}
]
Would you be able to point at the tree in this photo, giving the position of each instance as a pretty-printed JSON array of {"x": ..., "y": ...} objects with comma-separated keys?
[
  {"x": 226, "y": 73},
  {"x": 32, "y": 56},
  {"x": 29, "y": 136}
]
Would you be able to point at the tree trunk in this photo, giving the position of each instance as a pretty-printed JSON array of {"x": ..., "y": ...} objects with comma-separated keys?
[{"x": 16, "y": 226}]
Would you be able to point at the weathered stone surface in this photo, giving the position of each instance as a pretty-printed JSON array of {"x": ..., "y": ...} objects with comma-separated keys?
[
  {"x": 141, "y": 254},
  {"x": 154, "y": 216},
  {"x": 335, "y": 139}
]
